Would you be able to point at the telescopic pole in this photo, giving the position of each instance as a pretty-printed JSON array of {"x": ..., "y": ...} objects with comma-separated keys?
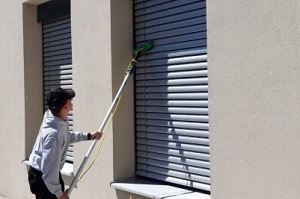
[
  {"x": 137, "y": 52},
  {"x": 116, "y": 99}
]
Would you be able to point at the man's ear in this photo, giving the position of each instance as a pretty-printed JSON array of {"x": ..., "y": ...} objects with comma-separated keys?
[{"x": 65, "y": 106}]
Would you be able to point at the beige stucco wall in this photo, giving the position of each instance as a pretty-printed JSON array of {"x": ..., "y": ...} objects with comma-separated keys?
[
  {"x": 253, "y": 58},
  {"x": 102, "y": 40},
  {"x": 98, "y": 66},
  {"x": 33, "y": 70},
  {"x": 92, "y": 80},
  {"x": 12, "y": 106},
  {"x": 254, "y": 92},
  {"x": 21, "y": 93}
]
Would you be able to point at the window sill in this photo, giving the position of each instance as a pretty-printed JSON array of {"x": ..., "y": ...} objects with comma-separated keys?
[
  {"x": 156, "y": 190},
  {"x": 67, "y": 170}
]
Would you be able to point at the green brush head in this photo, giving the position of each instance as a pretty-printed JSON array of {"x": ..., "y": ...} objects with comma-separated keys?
[{"x": 143, "y": 48}]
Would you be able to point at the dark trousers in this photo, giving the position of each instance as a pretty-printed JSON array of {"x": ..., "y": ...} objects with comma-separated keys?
[{"x": 38, "y": 187}]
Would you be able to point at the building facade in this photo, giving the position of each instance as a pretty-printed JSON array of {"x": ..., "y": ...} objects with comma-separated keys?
[{"x": 211, "y": 111}]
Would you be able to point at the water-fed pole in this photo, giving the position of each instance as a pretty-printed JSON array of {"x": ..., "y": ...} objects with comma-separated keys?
[{"x": 136, "y": 53}]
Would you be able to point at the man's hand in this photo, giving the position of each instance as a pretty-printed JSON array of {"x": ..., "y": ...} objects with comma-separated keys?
[
  {"x": 96, "y": 135},
  {"x": 64, "y": 195}
]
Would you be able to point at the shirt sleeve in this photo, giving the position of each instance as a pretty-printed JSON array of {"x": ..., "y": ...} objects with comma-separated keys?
[
  {"x": 50, "y": 164},
  {"x": 78, "y": 136}
]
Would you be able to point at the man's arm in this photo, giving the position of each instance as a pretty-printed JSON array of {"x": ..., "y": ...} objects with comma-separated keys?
[{"x": 80, "y": 136}]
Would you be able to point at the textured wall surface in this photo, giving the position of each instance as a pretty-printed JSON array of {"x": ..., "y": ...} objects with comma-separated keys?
[{"x": 254, "y": 91}]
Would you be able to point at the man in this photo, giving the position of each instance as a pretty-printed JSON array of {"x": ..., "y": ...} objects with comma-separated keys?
[{"x": 49, "y": 152}]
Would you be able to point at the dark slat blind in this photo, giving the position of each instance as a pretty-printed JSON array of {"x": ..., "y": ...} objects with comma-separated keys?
[
  {"x": 172, "y": 93},
  {"x": 57, "y": 61}
]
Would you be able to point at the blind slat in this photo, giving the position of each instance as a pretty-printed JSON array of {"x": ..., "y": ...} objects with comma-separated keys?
[
  {"x": 173, "y": 117},
  {"x": 173, "y": 96},
  {"x": 173, "y": 138},
  {"x": 183, "y": 160},
  {"x": 170, "y": 33},
  {"x": 174, "y": 145},
  {"x": 172, "y": 75},
  {"x": 173, "y": 130},
  {"x": 155, "y": 22},
  {"x": 167, "y": 9},
  {"x": 172, "y": 110},
  {"x": 174, "y": 152},
  {"x": 169, "y": 172}
]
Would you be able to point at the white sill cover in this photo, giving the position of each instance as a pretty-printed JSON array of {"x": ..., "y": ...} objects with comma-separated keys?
[{"x": 156, "y": 190}]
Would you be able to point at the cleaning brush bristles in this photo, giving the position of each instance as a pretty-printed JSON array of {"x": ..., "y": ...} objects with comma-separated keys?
[{"x": 143, "y": 48}]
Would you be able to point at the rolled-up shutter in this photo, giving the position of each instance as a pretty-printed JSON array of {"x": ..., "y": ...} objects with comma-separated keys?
[
  {"x": 57, "y": 60},
  {"x": 172, "y": 93}
]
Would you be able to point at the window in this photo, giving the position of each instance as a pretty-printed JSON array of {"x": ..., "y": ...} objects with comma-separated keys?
[
  {"x": 57, "y": 50},
  {"x": 47, "y": 60},
  {"x": 172, "y": 130}
]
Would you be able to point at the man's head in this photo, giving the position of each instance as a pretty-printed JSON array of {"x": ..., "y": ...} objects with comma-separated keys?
[{"x": 57, "y": 98}]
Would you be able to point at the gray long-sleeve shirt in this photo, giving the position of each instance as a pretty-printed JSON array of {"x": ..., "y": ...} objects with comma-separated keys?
[{"x": 49, "y": 152}]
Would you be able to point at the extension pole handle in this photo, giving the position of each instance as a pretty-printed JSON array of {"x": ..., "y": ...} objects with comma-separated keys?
[{"x": 116, "y": 99}]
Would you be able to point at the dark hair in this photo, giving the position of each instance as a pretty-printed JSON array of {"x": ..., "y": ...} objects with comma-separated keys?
[{"x": 56, "y": 109}]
